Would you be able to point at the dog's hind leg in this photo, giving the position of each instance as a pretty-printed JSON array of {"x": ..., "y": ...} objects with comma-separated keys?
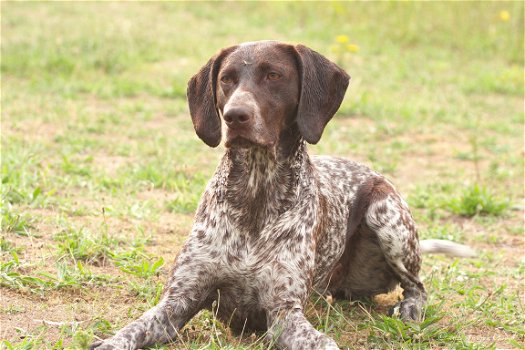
[{"x": 389, "y": 218}]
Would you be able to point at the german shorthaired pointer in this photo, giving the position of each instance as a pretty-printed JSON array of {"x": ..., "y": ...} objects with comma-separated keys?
[{"x": 275, "y": 223}]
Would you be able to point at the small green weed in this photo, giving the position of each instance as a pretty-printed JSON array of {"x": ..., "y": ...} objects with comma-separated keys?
[
  {"x": 80, "y": 244},
  {"x": 7, "y": 247},
  {"x": 13, "y": 275},
  {"x": 144, "y": 268},
  {"x": 476, "y": 200},
  {"x": 101, "y": 325},
  {"x": 473, "y": 200},
  {"x": 73, "y": 167},
  {"x": 81, "y": 339},
  {"x": 25, "y": 344},
  {"x": 13, "y": 222},
  {"x": 77, "y": 277},
  {"x": 393, "y": 333}
]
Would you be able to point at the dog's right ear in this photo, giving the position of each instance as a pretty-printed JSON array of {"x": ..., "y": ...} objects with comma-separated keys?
[{"x": 203, "y": 102}]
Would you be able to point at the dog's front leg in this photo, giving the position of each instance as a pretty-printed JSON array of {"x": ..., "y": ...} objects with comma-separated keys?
[
  {"x": 288, "y": 327},
  {"x": 291, "y": 330},
  {"x": 185, "y": 294},
  {"x": 158, "y": 325}
]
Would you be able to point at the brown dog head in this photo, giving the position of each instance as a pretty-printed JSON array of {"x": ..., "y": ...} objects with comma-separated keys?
[{"x": 262, "y": 88}]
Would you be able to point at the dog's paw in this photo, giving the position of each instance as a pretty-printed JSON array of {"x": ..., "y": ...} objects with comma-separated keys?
[
  {"x": 407, "y": 310},
  {"x": 331, "y": 346},
  {"x": 106, "y": 345}
]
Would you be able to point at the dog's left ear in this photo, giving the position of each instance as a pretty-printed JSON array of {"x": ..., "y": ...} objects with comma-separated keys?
[
  {"x": 202, "y": 100},
  {"x": 323, "y": 87}
]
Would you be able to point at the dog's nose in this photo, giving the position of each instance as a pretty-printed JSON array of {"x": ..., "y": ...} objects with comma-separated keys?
[{"x": 237, "y": 116}]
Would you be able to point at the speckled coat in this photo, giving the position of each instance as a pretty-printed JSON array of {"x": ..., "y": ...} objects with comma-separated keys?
[{"x": 273, "y": 222}]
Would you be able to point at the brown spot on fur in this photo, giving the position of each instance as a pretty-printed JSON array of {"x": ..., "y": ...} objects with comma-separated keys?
[{"x": 322, "y": 215}]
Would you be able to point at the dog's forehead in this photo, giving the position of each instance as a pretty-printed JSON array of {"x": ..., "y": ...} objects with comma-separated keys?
[{"x": 255, "y": 52}]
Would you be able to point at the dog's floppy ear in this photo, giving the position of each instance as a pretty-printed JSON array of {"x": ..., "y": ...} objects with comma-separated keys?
[
  {"x": 323, "y": 86},
  {"x": 202, "y": 100}
]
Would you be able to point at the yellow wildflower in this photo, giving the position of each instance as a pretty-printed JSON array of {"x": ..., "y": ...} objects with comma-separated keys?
[
  {"x": 504, "y": 15},
  {"x": 352, "y": 48},
  {"x": 343, "y": 39}
]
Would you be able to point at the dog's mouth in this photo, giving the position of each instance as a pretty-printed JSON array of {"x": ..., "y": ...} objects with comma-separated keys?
[{"x": 241, "y": 141}]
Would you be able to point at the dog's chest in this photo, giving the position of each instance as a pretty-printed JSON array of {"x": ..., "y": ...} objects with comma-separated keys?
[
  {"x": 283, "y": 250},
  {"x": 254, "y": 243}
]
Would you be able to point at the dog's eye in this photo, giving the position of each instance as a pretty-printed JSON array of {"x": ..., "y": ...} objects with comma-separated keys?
[
  {"x": 226, "y": 79},
  {"x": 273, "y": 76}
]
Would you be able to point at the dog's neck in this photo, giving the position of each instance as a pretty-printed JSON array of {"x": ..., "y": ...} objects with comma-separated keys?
[{"x": 262, "y": 183}]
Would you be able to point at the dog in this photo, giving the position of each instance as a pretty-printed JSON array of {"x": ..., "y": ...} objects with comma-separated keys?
[{"x": 275, "y": 223}]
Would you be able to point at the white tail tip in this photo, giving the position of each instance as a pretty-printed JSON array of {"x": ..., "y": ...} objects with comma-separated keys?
[{"x": 441, "y": 246}]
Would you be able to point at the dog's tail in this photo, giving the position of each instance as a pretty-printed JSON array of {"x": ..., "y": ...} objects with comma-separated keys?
[{"x": 440, "y": 246}]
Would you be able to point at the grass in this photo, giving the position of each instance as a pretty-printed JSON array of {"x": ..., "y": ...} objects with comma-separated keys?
[
  {"x": 101, "y": 171},
  {"x": 476, "y": 200}
]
